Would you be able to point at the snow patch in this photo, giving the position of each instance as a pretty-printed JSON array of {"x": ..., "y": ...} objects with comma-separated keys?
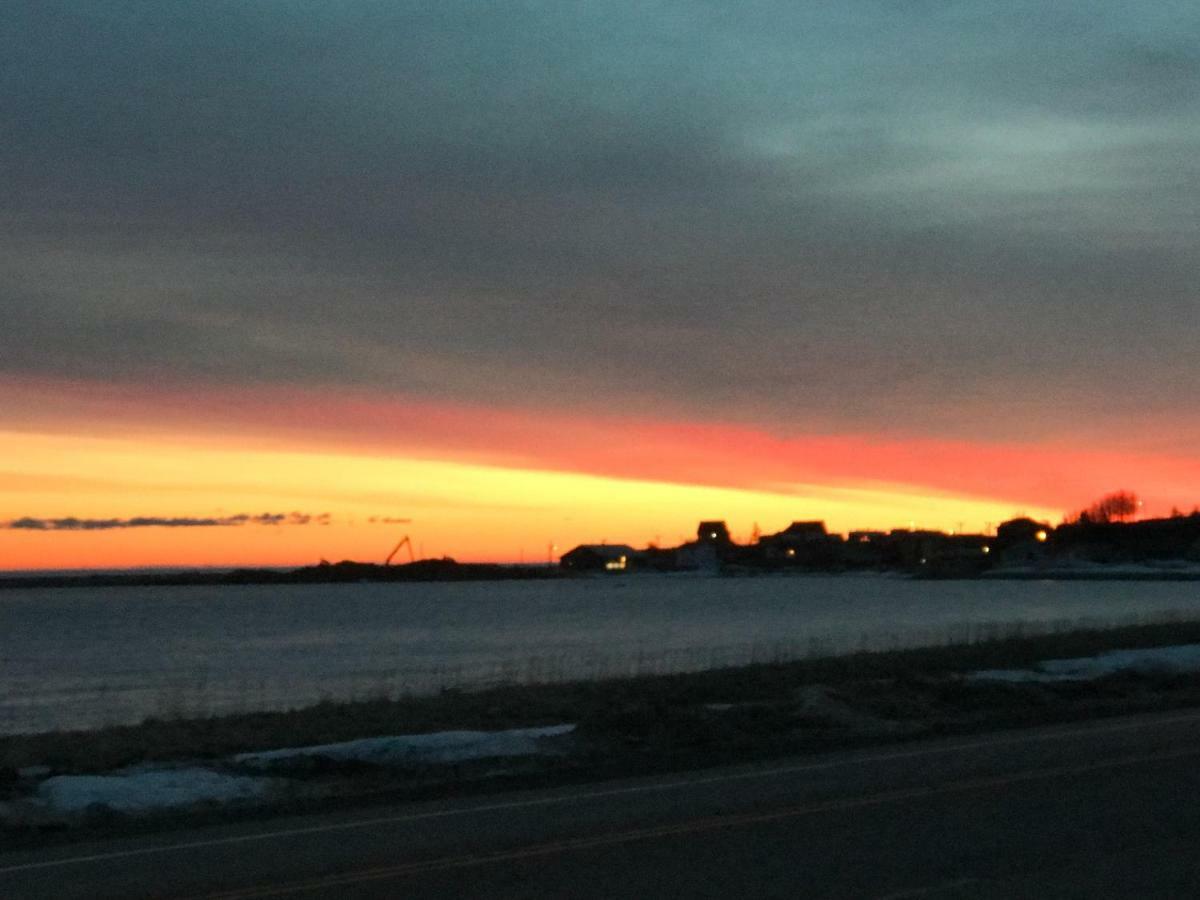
[
  {"x": 133, "y": 790},
  {"x": 1177, "y": 658},
  {"x": 149, "y": 789},
  {"x": 439, "y": 747}
]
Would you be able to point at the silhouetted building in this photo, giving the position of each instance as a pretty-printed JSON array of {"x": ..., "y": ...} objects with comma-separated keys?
[
  {"x": 712, "y": 548},
  {"x": 866, "y": 537},
  {"x": 714, "y": 532},
  {"x": 865, "y": 549},
  {"x": 657, "y": 559},
  {"x": 599, "y": 558},
  {"x": 1022, "y": 541},
  {"x": 801, "y": 544},
  {"x": 1022, "y": 529},
  {"x": 804, "y": 531}
]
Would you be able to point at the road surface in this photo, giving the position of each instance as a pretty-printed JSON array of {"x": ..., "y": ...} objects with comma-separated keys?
[{"x": 1105, "y": 809}]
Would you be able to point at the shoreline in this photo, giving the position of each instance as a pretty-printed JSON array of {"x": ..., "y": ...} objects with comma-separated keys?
[
  {"x": 440, "y": 572},
  {"x": 336, "y": 573}
]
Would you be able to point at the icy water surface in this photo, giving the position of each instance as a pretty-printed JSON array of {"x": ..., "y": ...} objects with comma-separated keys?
[{"x": 86, "y": 657}]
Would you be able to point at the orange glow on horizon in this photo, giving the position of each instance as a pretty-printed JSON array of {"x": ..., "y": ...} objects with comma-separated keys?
[
  {"x": 470, "y": 512},
  {"x": 487, "y": 484}
]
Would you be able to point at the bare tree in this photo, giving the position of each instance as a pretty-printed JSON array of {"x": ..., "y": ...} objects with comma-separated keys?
[{"x": 1114, "y": 507}]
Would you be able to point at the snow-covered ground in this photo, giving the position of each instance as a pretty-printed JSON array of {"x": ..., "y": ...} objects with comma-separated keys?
[
  {"x": 147, "y": 789},
  {"x": 1177, "y": 658},
  {"x": 158, "y": 788},
  {"x": 440, "y": 747}
]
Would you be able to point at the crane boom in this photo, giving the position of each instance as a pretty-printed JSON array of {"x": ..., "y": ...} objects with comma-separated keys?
[{"x": 404, "y": 541}]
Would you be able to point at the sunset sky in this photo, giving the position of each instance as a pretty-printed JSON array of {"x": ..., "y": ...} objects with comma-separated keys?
[{"x": 507, "y": 277}]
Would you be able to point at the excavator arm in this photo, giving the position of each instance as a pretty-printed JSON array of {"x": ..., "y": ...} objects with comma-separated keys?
[{"x": 404, "y": 542}]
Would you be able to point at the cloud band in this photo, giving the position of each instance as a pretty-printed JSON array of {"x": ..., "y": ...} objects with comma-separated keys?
[{"x": 72, "y": 523}]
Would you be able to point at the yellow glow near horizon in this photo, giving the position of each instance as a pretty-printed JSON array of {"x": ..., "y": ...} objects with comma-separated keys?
[{"x": 468, "y": 511}]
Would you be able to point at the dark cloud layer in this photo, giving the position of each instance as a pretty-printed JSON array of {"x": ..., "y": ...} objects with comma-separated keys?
[
  {"x": 952, "y": 217},
  {"x": 71, "y": 523}
]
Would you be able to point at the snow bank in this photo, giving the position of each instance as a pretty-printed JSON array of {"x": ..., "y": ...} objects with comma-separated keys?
[
  {"x": 146, "y": 790},
  {"x": 440, "y": 747},
  {"x": 1177, "y": 658},
  {"x": 156, "y": 788}
]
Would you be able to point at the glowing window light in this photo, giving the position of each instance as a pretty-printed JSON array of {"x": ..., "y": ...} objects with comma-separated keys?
[
  {"x": 617, "y": 565},
  {"x": 1041, "y": 536}
]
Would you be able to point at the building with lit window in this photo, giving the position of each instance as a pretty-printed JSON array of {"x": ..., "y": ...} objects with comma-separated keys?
[{"x": 599, "y": 558}]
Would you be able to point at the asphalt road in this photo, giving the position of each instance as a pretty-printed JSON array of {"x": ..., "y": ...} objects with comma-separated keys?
[{"x": 1107, "y": 809}]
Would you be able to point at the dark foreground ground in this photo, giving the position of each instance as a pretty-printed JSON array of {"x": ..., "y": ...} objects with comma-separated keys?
[
  {"x": 877, "y": 775},
  {"x": 1101, "y": 809}
]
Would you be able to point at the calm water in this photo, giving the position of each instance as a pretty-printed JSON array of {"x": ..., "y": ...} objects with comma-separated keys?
[{"x": 80, "y": 658}]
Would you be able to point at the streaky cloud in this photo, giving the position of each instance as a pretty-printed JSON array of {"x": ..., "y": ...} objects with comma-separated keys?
[{"x": 72, "y": 523}]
